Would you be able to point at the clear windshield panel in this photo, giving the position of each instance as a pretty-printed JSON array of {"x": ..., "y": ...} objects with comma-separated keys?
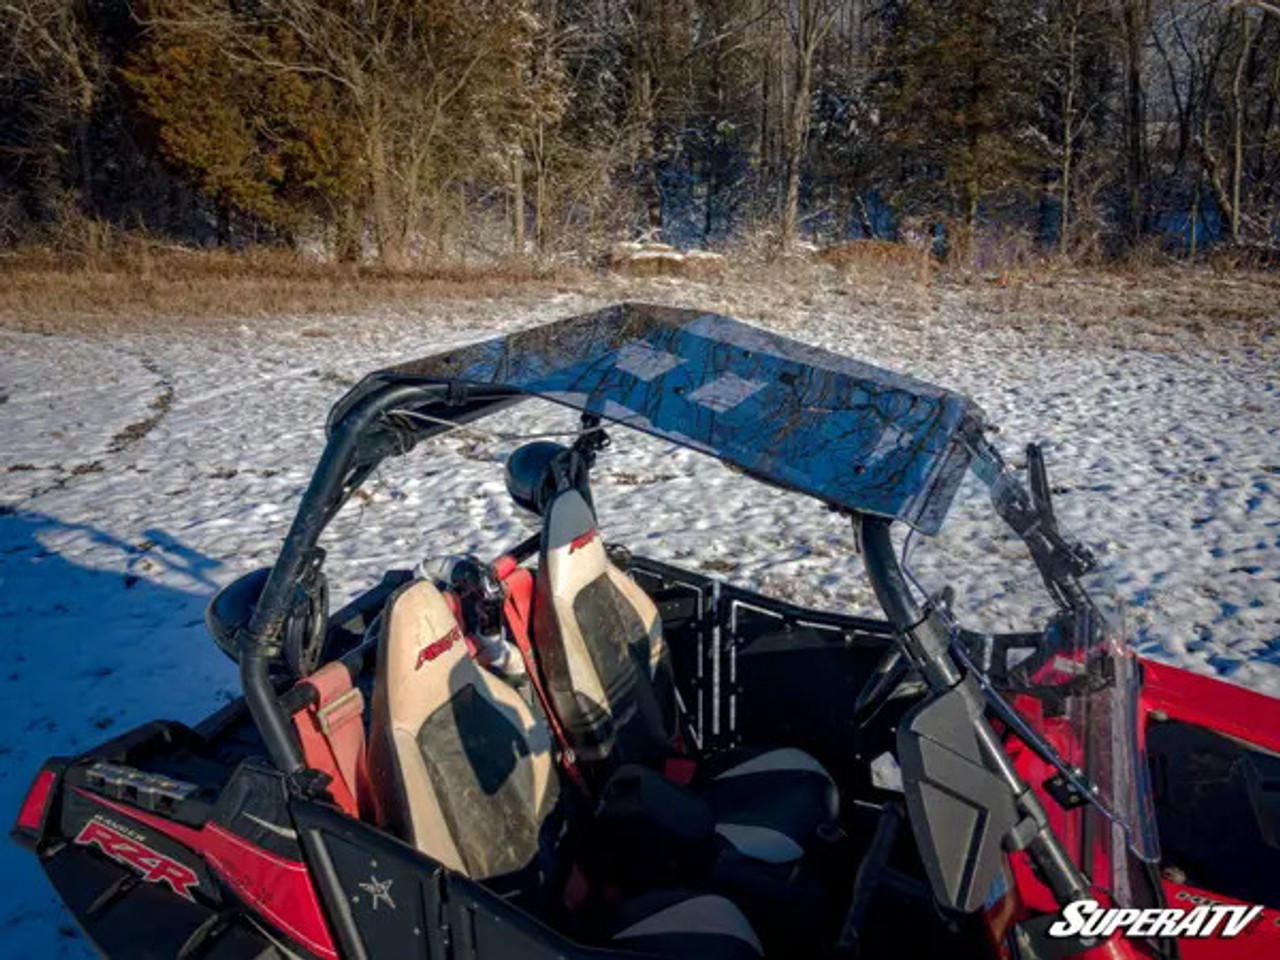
[
  {"x": 1068, "y": 682},
  {"x": 1083, "y": 686}
]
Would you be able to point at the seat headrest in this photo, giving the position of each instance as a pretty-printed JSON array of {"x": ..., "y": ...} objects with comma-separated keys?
[
  {"x": 530, "y": 480},
  {"x": 422, "y": 644},
  {"x": 570, "y": 522}
]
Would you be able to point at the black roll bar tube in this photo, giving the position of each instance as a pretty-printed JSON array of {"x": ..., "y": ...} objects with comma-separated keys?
[
  {"x": 346, "y": 460},
  {"x": 326, "y": 489},
  {"x": 927, "y": 642}
]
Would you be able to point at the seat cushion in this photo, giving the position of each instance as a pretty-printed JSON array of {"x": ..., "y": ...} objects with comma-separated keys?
[
  {"x": 767, "y": 804},
  {"x": 785, "y": 902},
  {"x": 679, "y": 923},
  {"x": 649, "y": 832}
]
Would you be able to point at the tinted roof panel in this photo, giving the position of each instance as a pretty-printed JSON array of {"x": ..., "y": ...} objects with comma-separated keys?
[{"x": 848, "y": 433}]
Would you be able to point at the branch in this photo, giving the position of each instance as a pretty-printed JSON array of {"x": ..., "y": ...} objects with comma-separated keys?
[
  {"x": 1211, "y": 167},
  {"x": 1270, "y": 8}
]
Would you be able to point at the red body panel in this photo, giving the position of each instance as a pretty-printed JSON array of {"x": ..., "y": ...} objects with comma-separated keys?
[
  {"x": 279, "y": 889},
  {"x": 1215, "y": 704},
  {"x": 1235, "y": 712},
  {"x": 1176, "y": 694},
  {"x": 1261, "y": 939},
  {"x": 32, "y": 813}
]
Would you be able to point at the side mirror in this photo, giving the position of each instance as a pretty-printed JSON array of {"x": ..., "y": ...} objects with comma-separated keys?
[
  {"x": 305, "y": 629},
  {"x": 960, "y": 810}
]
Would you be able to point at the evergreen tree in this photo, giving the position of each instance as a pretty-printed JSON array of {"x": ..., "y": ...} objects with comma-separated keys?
[
  {"x": 272, "y": 144},
  {"x": 960, "y": 98}
]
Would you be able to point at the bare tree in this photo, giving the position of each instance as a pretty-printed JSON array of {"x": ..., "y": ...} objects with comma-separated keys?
[
  {"x": 50, "y": 40},
  {"x": 1073, "y": 20},
  {"x": 1238, "y": 120},
  {"x": 1270, "y": 8},
  {"x": 1135, "y": 18},
  {"x": 1220, "y": 33},
  {"x": 808, "y": 23}
]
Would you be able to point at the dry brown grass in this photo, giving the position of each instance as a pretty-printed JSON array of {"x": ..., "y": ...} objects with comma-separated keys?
[
  {"x": 40, "y": 288},
  {"x": 881, "y": 258},
  {"x": 1150, "y": 306},
  {"x": 139, "y": 284},
  {"x": 1194, "y": 296}
]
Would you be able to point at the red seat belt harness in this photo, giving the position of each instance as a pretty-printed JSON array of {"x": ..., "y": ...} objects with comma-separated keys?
[
  {"x": 331, "y": 730},
  {"x": 517, "y": 613}
]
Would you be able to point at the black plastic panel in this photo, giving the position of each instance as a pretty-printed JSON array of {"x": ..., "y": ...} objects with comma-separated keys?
[
  {"x": 1217, "y": 809},
  {"x": 436, "y": 914},
  {"x": 146, "y": 922},
  {"x": 960, "y": 811}
]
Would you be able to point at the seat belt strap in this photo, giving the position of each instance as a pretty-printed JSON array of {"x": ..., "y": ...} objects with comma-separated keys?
[
  {"x": 679, "y": 770},
  {"x": 517, "y": 613},
  {"x": 331, "y": 731}
]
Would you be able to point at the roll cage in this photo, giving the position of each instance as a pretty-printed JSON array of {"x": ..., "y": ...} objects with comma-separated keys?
[{"x": 389, "y": 414}]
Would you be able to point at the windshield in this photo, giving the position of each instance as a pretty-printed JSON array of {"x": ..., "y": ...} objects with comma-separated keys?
[{"x": 1059, "y": 671}]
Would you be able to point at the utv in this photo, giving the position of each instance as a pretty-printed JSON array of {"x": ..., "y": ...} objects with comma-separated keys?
[{"x": 571, "y": 751}]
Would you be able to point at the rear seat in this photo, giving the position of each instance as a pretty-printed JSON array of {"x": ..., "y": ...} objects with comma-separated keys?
[{"x": 461, "y": 768}]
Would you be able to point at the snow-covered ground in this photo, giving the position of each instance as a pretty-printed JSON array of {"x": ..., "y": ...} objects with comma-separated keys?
[{"x": 142, "y": 469}]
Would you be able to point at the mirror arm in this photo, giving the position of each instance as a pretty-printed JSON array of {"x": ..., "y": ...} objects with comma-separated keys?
[
  {"x": 927, "y": 642},
  {"x": 1060, "y": 560}
]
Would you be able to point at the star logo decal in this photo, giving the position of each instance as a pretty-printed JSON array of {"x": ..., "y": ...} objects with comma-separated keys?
[{"x": 379, "y": 891}]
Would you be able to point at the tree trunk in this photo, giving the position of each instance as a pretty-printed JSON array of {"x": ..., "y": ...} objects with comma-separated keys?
[
  {"x": 1195, "y": 218},
  {"x": 348, "y": 234},
  {"x": 540, "y": 196},
  {"x": 390, "y": 240},
  {"x": 864, "y": 216},
  {"x": 464, "y": 222},
  {"x": 517, "y": 203},
  {"x": 797, "y": 134},
  {"x": 1064, "y": 224},
  {"x": 761, "y": 132},
  {"x": 649, "y": 189},
  {"x": 1134, "y": 28},
  {"x": 224, "y": 223},
  {"x": 1213, "y": 173},
  {"x": 1068, "y": 132},
  {"x": 83, "y": 161},
  {"x": 1237, "y": 124}
]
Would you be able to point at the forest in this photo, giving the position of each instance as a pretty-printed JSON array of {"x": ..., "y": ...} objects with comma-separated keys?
[{"x": 398, "y": 132}]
